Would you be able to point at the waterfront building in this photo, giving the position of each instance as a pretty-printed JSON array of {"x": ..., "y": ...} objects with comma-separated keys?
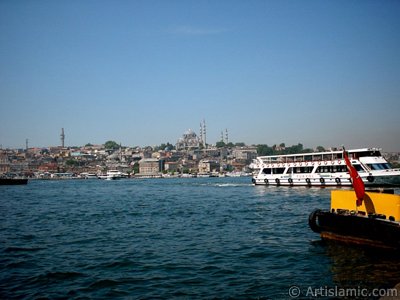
[
  {"x": 244, "y": 154},
  {"x": 149, "y": 166},
  {"x": 208, "y": 166},
  {"x": 4, "y": 163},
  {"x": 171, "y": 166},
  {"x": 49, "y": 167},
  {"x": 238, "y": 166},
  {"x": 188, "y": 165},
  {"x": 214, "y": 152}
]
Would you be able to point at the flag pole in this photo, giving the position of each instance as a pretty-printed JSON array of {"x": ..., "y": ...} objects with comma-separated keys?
[{"x": 356, "y": 180}]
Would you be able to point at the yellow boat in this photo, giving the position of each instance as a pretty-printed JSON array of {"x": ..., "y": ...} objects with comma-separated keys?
[{"x": 376, "y": 222}]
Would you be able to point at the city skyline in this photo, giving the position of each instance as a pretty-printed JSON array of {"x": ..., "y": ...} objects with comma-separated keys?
[
  {"x": 201, "y": 139},
  {"x": 142, "y": 73}
]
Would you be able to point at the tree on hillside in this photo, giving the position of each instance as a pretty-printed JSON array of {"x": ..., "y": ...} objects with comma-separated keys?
[
  {"x": 295, "y": 149},
  {"x": 263, "y": 150},
  {"x": 220, "y": 144},
  {"x": 166, "y": 146},
  {"x": 111, "y": 145},
  {"x": 135, "y": 168}
]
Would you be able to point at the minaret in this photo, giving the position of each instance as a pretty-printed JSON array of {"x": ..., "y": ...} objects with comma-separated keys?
[
  {"x": 62, "y": 137},
  {"x": 226, "y": 136},
  {"x": 26, "y": 144},
  {"x": 201, "y": 134},
  {"x": 205, "y": 134}
]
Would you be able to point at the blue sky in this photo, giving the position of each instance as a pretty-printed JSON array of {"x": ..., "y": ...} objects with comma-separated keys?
[{"x": 143, "y": 72}]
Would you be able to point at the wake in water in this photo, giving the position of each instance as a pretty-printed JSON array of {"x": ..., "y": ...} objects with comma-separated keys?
[{"x": 232, "y": 184}]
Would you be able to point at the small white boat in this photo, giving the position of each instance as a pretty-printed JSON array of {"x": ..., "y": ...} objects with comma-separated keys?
[
  {"x": 89, "y": 175},
  {"x": 102, "y": 176},
  {"x": 113, "y": 175}
]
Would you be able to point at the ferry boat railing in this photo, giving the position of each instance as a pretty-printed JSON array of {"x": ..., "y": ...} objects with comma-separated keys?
[
  {"x": 288, "y": 160},
  {"x": 334, "y": 156}
]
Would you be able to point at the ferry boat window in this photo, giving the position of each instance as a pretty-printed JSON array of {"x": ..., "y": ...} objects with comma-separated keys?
[
  {"x": 368, "y": 153},
  {"x": 278, "y": 170},
  {"x": 331, "y": 169},
  {"x": 358, "y": 168},
  {"x": 306, "y": 169},
  {"x": 267, "y": 171},
  {"x": 317, "y": 157},
  {"x": 337, "y": 155},
  {"x": 325, "y": 169},
  {"x": 298, "y": 170},
  {"x": 327, "y": 157},
  {"x": 379, "y": 166},
  {"x": 307, "y": 157},
  {"x": 340, "y": 168}
]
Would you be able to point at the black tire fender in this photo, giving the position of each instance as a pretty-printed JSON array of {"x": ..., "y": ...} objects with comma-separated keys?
[{"x": 312, "y": 221}]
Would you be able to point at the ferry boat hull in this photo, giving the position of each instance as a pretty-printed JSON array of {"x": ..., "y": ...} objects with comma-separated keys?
[{"x": 327, "y": 180}]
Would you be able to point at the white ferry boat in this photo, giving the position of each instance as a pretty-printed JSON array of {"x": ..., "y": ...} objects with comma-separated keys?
[
  {"x": 86, "y": 175},
  {"x": 324, "y": 169},
  {"x": 113, "y": 175}
]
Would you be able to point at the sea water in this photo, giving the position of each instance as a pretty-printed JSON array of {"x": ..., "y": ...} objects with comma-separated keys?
[{"x": 187, "y": 238}]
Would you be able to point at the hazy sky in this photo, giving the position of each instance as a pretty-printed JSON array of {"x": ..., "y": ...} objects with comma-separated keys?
[{"x": 144, "y": 72}]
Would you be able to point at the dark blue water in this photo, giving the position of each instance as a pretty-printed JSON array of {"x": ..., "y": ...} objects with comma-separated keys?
[{"x": 195, "y": 238}]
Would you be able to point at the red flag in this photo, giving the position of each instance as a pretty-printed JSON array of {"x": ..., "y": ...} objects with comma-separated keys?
[{"x": 356, "y": 180}]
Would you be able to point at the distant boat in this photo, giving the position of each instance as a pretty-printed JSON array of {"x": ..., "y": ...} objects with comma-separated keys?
[
  {"x": 102, "y": 176},
  {"x": 113, "y": 175},
  {"x": 13, "y": 181},
  {"x": 324, "y": 169},
  {"x": 201, "y": 175},
  {"x": 89, "y": 176}
]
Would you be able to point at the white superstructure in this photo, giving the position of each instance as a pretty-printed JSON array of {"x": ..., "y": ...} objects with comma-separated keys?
[{"x": 324, "y": 169}]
